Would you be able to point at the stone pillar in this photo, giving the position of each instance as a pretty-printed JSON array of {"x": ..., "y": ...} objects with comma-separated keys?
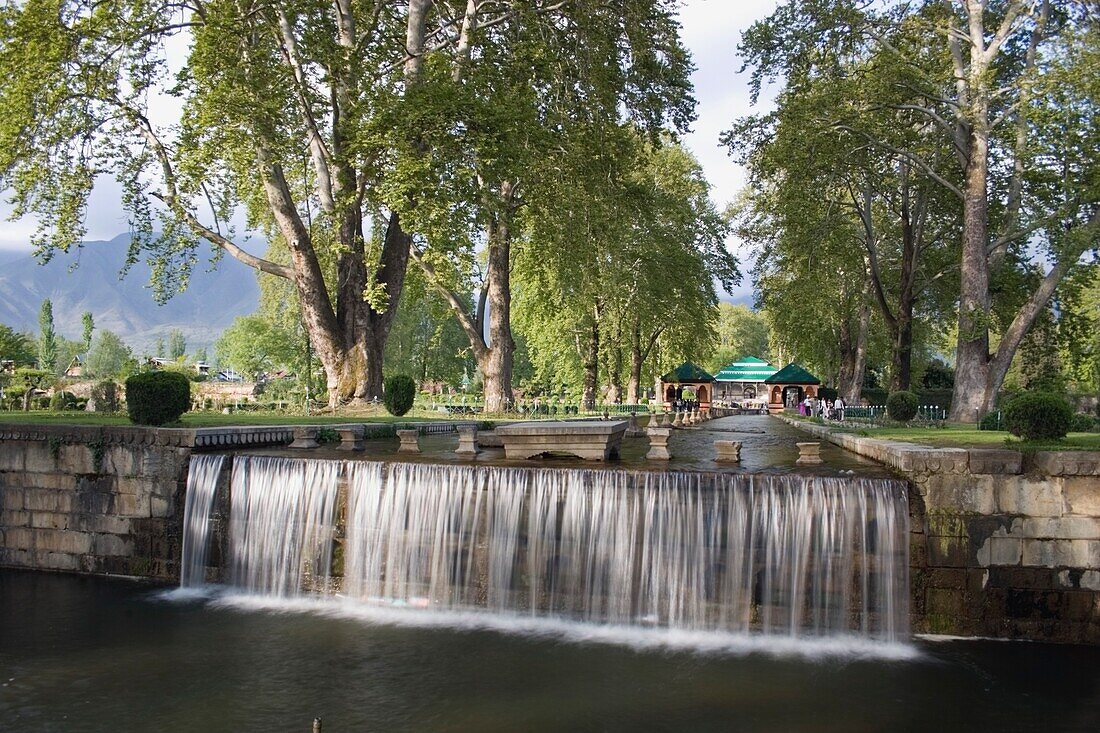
[
  {"x": 409, "y": 441},
  {"x": 678, "y": 421},
  {"x": 809, "y": 454},
  {"x": 728, "y": 451},
  {"x": 305, "y": 436},
  {"x": 467, "y": 441},
  {"x": 351, "y": 437},
  {"x": 632, "y": 429},
  {"x": 658, "y": 444}
]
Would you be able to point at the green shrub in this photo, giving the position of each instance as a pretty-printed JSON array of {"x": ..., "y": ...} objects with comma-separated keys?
[
  {"x": 326, "y": 436},
  {"x": 157, "y": 398},
  {"x": 105, "y": 396},
  {"x": 1082, "y": 423},
  {"x": 398, "y": 392},
  {"x": 62, "y": 400},
  {"x": 1038, "y": 416},
  {"x": 992, "y": 421},
  {"x": 902, "y": 406}
]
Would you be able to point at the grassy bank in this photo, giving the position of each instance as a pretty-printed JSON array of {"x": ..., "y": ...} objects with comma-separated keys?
[{"x": 967, "y": 436}]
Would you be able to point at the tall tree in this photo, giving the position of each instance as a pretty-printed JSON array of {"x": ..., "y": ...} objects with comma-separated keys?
[
  {"x": 88, "y": 323},
  {"x": 177, "y": 344},
  {"x": 16, "y": 347},
  {"x": 1011, "y": 89},
  {"x": 47, "y": 338}
]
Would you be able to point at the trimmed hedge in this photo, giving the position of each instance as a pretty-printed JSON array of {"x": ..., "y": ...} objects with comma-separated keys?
[
  {"x": 157, "y": 398},
  {"x": 398, "y": 393},
  {"x": 902, "y": 406},
  {"x": 1082, "y": 423},
  {"x": 992, "y": 421},
  {"x": 1038, "y": 416}
]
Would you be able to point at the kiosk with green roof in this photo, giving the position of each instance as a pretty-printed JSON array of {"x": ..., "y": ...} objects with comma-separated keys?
[
  {"x": 741, "y": 383},
  {"x": 788, "y": 386},
  {"x": 690, "y": 376}
]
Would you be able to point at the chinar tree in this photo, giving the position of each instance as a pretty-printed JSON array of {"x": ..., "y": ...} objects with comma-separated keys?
[
  {"x": 1008, "y": 90},
  {"x": 619, "y": 264},
  {"x": 498, "y": 118},
  {"x": 306, "y": 116}
]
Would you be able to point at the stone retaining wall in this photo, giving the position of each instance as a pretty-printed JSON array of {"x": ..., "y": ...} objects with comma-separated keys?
[
  {"x": 1003, "y": 544},
  {"x": 102, "y": 500}
]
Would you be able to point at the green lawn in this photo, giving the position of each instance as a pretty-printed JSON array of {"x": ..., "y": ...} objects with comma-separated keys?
[
  {"x": 218, "y": 419},
  {"x": 959, "y": 436}
]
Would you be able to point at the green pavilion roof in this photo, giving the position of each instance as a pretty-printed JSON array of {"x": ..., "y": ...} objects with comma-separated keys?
[
  {"x": 792, "y": 374},
  {"x": 687, "y": 372},
  {"x": 746, "y": 369}
]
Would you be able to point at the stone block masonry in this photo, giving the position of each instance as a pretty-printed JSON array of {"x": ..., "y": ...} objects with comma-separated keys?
[
  {"x": 1002, "y": 543},
  {"x": 102, "y": 500}
]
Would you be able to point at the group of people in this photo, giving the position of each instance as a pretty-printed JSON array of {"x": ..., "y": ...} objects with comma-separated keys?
[{"x": 825, "y": 409}]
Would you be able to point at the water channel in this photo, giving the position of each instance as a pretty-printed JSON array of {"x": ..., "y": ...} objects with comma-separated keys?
[{"x": 92, "y": 654}]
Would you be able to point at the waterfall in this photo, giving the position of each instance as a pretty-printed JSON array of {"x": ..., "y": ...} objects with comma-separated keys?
[
  {"x": 202, "y": 482},
  {"x": 282, "y": 519},
  {"x": 782, "y": 555},
  {"x": 792, "y": 555}
]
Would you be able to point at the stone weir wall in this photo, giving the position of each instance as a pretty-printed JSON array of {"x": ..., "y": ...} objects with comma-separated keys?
[
  {"x": 106, "y": 500},
  {"x": 1002, "y": 543}
]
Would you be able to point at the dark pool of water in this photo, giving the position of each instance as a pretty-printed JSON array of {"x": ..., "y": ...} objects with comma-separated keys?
[
  {"x": 768, "y": 446},
  {"x": 87, "y": 654}
]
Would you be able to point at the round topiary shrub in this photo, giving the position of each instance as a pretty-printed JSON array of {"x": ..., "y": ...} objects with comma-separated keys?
[
  {"x": 1038, "y": 416},
  {"x": 157, "y": 398},
  {"x": 902, "y": 406},
  {"x": 398, "y": 392},
  {"x": 1082, "y": 423}
]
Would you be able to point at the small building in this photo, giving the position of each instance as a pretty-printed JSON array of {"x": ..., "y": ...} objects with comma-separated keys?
[
  {"x": 743, "y": 383},
  {"x": 788, "y": 386},
  {"x": 76, "y": 366},
  {"x": 687, "y": 378}
]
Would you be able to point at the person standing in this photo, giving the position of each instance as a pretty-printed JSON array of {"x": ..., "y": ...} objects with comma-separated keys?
[{"x": 838, "y": 406}]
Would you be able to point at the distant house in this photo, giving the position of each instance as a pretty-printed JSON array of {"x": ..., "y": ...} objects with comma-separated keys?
[
  {"x": 229, "y": 375},
  {"x": 7, "y": 366},
  {"x": 201, "y": 367},
  {"x": 159, "y": 361},
  {"x": 76, "y": 366}
]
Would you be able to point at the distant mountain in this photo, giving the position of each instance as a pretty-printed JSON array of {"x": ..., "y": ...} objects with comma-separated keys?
[{"x": 87, "y": 279}]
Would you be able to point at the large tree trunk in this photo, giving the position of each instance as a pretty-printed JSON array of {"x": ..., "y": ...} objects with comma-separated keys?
[
  {"x": 497, "y": 361},
  {"x": 615, "y": 369},
  {"x": 850, "y": 392},
  {"x": 970, "y": 400},
  {"x": 634, "y": 382},
  {"x": 592, "y": 364}
]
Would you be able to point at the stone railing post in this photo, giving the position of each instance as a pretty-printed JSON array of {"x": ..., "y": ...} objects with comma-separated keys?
[
  {"x": 809, "y": 454},
  {"x": 658, "y": 444},
  {"x": 409, "y": 441},
  {"x": 467, "y": 441},
  {"x": 728, "y": 451}
]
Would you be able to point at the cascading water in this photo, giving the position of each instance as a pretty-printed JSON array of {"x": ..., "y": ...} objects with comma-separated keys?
[
  {"x": 202, "y": 483},
  {"x": 282, "y": 519},
  {"x": 703, "y": 552}
]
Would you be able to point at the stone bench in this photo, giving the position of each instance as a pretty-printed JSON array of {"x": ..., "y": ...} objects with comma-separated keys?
[{"x": 596, "y": 440}]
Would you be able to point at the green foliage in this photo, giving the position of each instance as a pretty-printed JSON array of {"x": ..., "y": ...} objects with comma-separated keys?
[
  {"x": 327, "y": 436},
  {"x": 47, "y": 338},
  {"x": 157, "y": 398},
  {"x": 177, "y": 344},
  {"x": 88, "y": 323},
  {"x": 992, "y": 421},
  {"x": 109, "y": 357},
  {"x": 25, "y": 381},
  {"x": 1038, "y": 416},
  {"x": 937, "y": 375},
  {"x": 902, "y": 406},
  {"x": 398, "y": 394},
  {"x": 105, "y": 396},
  {"x": 1083, "y": 423},
  {"x": 741, "y": 332},
  {"x": 62, "y": 400},
  {"x": 16, "y": 347}
]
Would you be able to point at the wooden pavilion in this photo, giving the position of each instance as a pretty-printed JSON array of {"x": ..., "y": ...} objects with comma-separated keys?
[
  {"x": 788, "y": 386},
  {"x": 687, "y": 375}
]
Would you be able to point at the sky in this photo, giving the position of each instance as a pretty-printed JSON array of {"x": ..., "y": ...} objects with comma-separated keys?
[{"x": 711, "y": 31}]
